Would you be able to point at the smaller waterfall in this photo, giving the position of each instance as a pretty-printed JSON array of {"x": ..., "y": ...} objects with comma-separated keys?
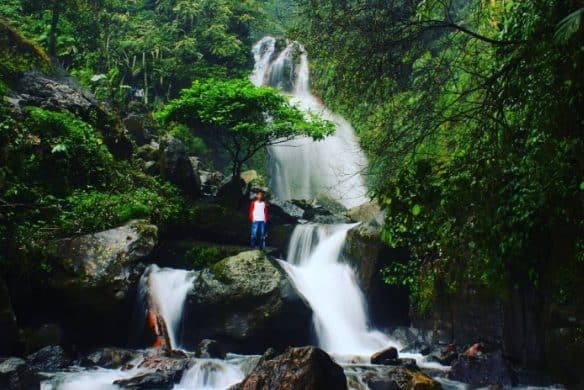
[
  {"x": 330, "y": 287},
  {"x": 168, "y": 290},
  {"x": 210, "y": 374},
  {"x": 262, "y": 54}
]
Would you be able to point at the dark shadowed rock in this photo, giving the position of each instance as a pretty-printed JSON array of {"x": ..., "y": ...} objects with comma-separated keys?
[
  {"x": 137, "y": 129},
  {"x": 306, "y": 368},
  {"x": 15, "y": 374},
  {"x": 386, "y": 356},
  {"x": 247, "y": 303},
  {"x": 210, "y": 349},
  {"x": 109, "y": 358},
  {"x": 160, "y": 380},
  {"x": 176, "y": 167},
  {"x": 43, "y": 336},
  {"x": 47, "y": 359},
  {"x": 8, "y": 326},
  {"x": 483, "y": 370}
]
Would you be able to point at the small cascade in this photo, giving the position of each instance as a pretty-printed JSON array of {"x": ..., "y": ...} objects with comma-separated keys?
[
  {"x": 164, "y": 291},
  {"x": 303, "y": 168},
  {"x": 330, "y": 287},
  {"x": 210, "y": 374}
]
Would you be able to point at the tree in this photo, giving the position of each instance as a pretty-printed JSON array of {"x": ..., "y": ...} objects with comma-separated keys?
[{"x": 241, "y": 118}]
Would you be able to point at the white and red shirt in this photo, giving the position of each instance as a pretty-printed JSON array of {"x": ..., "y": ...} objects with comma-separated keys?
[{"x": 258, "y": 211}]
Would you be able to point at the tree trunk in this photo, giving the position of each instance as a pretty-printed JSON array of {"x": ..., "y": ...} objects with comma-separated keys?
[{"x": 53, "y": 32}]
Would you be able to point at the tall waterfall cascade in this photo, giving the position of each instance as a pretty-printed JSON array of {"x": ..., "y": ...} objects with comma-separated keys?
[{"x": 302, "y": 168}]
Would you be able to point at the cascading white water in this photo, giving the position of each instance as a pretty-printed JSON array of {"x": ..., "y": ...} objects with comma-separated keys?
[
  {"x": 330, "y": 287},
  {"x": 210, "y": 374},
  {"x": 168, "y": 288},
  {"x": 302, "y": 168}
]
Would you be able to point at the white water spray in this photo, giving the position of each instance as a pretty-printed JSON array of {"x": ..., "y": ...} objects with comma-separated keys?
[
  {"x": 303, "y": 168},
  {"x": 330, "y": 287},
  {"x": 168, "y": 288},
  {"x": 210, "y": 374}
]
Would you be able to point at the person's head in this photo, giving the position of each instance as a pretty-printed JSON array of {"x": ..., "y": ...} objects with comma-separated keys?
[{"x": 260, "y": 196}]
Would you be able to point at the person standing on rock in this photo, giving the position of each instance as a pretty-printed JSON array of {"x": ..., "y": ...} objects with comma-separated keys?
[{"x": 258, "y": 215}]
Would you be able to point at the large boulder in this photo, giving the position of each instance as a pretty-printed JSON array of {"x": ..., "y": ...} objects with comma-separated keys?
[
  {"x": 306, "y": 368},
  {"x": 8, "y": 326},
  {"x": 15, "y": 374},
  {"x": 109, "y": 358},
  {"x": 92, "y": 296},
  {"x": 399, "y": 379},
  {"x": 50, "y": 358},
  {"x": 159, "y": 380},
  {"x": 483, "y": 370},
  {"x": 137, "y": 129},
  {"x": 367, "y": 255},
  {"x": 176, "y": 166},
  {"x": 106, "y": 256},
  {"x": 246, "y": 303}
]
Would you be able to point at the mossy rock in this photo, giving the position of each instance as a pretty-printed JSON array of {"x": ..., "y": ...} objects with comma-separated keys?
[{"x": 192, "y": 254}]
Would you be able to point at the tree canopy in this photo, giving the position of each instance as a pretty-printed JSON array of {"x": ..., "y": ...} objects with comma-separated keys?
[{"x": 241, "y": 118}]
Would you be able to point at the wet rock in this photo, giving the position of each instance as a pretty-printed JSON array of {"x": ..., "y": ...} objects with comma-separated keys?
[
  {"x": 367, "y": 254},
  {"x": 418, "y": 347},
  {"x": 160, "y": 380},
  {"x": 446, "y": 359},
  {"x": 109, "y": 358},
  {"x": 474, "y": 349},
  {"x": 174, "y": 364},
  {"x": 483, "y": 370},
  {"x": 8, "y": 326},
  {"x": 369, "y": 213},
  {"x": 387, "y": 356},
  {"x": 246, "y": 302},
  {"x": 210, "y": 349},
  {"x": 176, "y": 167},
  {"x": 47, "y": 359},
  {"x": 287, "y": 207},
  {"x": 15, "y": 374},
  {"x": 306, "y": 368}
]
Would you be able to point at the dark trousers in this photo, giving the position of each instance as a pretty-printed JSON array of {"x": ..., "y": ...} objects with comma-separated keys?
[{"x": 258, "y": 228}]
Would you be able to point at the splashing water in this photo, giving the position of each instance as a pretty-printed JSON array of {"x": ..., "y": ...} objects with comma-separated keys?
[
  {"x": 210, "y": 374},
  {"x": 303, "y": 168},
  {"x": 168, "y": 288},
  {"x": 330, "y": 287}
]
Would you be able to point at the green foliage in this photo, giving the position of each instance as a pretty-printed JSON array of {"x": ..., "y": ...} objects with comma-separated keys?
[
  {"x": 469, "y": 113},
  {"x": 240, "y": 117},
  {"x": 195, "y": 145}
]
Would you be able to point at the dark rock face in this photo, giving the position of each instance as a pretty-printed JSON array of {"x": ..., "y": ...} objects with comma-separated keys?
[
  {"x": 50, "y": 358},
  {"x": 176, "y": 167},
  {"x": 210, "y": 349},
  {"x": 399, "y": 379},
  {"x": 95, "y": 292},
  {"x": 306, "y": 368},
  {"x": 109, "y": 358},
  {"x": 483, "y": 370},
  {"x": 386, "y": 356},
  {"x": 8, "y": 326},
  {"x": 367, "y": 254},
  {"x": 137, "y": 129},
  {"x": 15, "y": 374},
  {"x": 247, "y": 304},
  {"x": 160, "y": 380}
]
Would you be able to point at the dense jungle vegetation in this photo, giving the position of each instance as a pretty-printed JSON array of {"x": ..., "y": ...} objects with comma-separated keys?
[{"x": 471, "y": 114}]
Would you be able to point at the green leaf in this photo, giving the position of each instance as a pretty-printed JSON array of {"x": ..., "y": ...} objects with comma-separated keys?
[
  {"x": 416, "y": 209},
  {"x": 59, "y": 148}
]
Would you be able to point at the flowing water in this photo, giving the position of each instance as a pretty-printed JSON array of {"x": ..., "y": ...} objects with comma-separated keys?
[
  {"x": 330, "y": 286},
  {"x": 168, "y": 289},
  {"x": 302, "y": 168}
]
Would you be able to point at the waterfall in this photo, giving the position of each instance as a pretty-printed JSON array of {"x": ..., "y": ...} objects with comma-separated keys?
[
  {"x": 331, "y": 289},
  {"x": 168, "y": 290},
  {"x": 302, "y": 168}
]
